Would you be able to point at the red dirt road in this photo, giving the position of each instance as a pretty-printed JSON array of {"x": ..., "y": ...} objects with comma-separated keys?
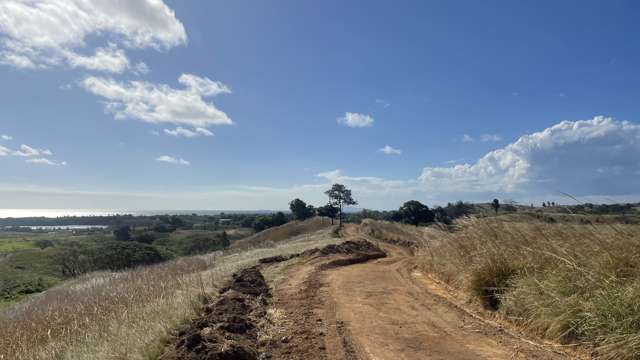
[{"x": 382, "y": 310}]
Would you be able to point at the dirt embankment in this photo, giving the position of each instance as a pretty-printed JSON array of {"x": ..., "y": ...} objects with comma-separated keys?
[{"x": 228, "y": 326}]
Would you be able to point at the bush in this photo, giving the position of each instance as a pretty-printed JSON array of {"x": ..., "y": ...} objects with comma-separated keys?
[
  {"x": 117, "y": 255},
  {"x": 123, "y": 233},
  {"x": 76, "y": 259},
  {"x": 194, "y": 243},
  {"x": 44, "y": 243},
  {"x": 145, "y": 238}
]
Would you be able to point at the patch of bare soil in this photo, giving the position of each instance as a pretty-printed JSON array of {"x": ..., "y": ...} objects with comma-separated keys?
[
  {"x": 228, "y": 326},
  {"x": 307, "y": 330}
]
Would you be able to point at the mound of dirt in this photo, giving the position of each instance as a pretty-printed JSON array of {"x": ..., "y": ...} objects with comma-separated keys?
[
  {"x": 227, "y": 328},
  {"x": 354, "y": 252}
]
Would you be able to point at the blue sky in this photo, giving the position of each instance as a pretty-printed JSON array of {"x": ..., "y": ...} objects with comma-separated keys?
[{"x": 398, "y": 100}]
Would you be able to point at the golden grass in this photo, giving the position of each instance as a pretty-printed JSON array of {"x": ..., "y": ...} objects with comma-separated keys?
[
  {"x": 124, "y": 315},
  {"x": 274, "y": 235},
  {"x": 573, "y": 283}
]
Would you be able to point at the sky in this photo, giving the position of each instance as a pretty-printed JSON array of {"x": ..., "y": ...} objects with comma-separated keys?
[{"x": 240, "y": 105}]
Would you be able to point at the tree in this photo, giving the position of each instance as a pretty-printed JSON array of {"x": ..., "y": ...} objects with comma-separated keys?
[
  {"x": 329, "y": 211},
  {"x": 44, "y": 243},
  {"x": 300, "y": 210},
  {"x": 415, "y": 213},
  {"x": 441, "y": 216},
  {"x": 145, "y": 238},
  {"x": 225, "y": 239},
  {"x": 340, "y": 196},
  {"x": 279, "y": 219},
  {"x": 495, "y": 204},
  {"x": 123, "y": 233}
]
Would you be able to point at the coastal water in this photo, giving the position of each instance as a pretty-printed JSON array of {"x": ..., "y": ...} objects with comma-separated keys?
[{"x": 54, "y": 213}]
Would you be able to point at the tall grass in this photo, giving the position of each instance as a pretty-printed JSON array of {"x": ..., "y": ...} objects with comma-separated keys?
[
  {"x": 574, "y": 283},
  {"x": 123, "y": 315}
]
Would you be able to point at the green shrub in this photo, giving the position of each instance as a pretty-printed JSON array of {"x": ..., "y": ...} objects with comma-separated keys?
[
  {"x": 117, "y": 255},
  {"x": 145, "y": 238}
]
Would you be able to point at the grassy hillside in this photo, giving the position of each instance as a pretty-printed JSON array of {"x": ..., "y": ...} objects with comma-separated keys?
[
  {"x": 125, "y": 315},
  {"x": 273, "y": 236}
]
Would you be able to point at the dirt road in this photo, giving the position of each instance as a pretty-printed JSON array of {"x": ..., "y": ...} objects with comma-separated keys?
[{"x": 382, "y": 310}]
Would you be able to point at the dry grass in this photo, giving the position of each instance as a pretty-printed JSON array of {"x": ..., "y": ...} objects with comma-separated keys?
[
  {"x": 272, "y": 236},
  {"x": 124, "y": 315},
  {"x": 574, "y": 283}
]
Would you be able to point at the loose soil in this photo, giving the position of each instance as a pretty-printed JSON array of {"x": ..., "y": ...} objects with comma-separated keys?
[{"x": 228, "y": 327}]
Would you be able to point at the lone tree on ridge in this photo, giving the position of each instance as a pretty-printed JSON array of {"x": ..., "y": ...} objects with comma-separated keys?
[
  {"x": 495, "y": 205},
  {"x": 340, "y": 196}
]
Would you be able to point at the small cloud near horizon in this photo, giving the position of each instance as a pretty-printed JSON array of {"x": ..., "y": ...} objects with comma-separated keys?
[
  {"x": 355, "y": 120},
  {"x": 171, "y": 160},
  {"x": 389, "y": 150}
]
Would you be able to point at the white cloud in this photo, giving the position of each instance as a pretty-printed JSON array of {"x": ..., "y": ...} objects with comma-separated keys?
[
  {"x": 4, "y": 151},
  {"x": 45, "y": 33},
  {"x": 467, "y": 138},
  {"x": 203, "y": 86},
  {"x": 385, "y": 104},
  {"x": 172, "y": 160},
  {"x": 180, "y": 131},
  {"x": 204, "y": 132},
  {"x": 389, "y": 150},
  {"x": 109, "y": 59},
  {"x": 44, "y": 161},
  {"x": 159, "y": 103},
  {"x": 28, "y": 151},
  {"x": 141, "y": 68},
  {"x": 355, "y": 120},
  {"x": 586, "y": 157},
  {"x": 7, "y": 137},
  {"x": 490, "y": 137}
]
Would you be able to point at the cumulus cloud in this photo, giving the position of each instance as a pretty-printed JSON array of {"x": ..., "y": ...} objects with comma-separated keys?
[
  {"x": 389, "y": 150},
  {"x": 6, "y": 137},
  {"x": 586, "y": 157},
  {"x": 45, "y": 33},
  {"x": 4, "y": 151},
  {"x": 45, "y": 161},
  {"x": 490, "y": 137},
  {"x": 467, "y": 138},
  {"x": 180, "y": 131},
  {"x": 171, "y": 160},
  {"x": 355, "y": 120},
  {"x": 28, "y": 151},
  {"x": 159, "y": 103}
]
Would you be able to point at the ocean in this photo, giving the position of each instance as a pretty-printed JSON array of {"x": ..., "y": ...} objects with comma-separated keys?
[{"x": 54, "y": 213}]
